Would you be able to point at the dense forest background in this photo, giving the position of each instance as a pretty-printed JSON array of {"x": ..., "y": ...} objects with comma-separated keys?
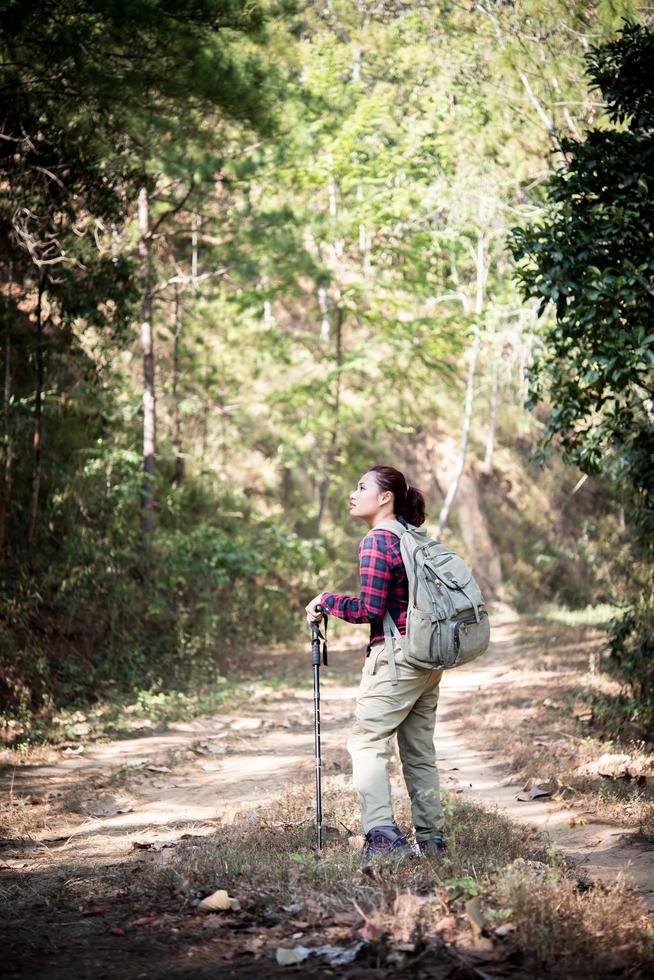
[{"x": 249, "y": 250}]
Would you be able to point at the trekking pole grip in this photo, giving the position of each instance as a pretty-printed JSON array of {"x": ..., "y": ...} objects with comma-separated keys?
[{"x": 315, "y": 641}]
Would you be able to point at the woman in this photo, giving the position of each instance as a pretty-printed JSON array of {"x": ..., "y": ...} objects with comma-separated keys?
[{"x": 385, "y": 707}]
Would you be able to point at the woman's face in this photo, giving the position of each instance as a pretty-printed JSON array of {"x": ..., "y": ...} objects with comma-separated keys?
[{"x": 366, "y": 500}]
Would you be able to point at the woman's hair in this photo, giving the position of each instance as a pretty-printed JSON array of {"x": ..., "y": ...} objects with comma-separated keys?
[{"x": 409, "y": 501}]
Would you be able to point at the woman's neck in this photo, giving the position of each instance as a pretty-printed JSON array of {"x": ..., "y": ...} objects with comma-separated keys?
[{"x": 383, "y": 514}]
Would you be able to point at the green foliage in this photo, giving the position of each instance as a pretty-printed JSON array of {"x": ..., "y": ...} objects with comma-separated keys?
[
  {"x": 98, "y": 617},
  {"x": 590, "y": 256},
  {"x": 321, "y": 184}
]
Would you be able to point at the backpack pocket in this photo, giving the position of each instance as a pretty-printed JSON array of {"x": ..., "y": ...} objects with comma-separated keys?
[
  {"x": 422, "y": 630},
  {"x": 470, "y": 638},
  {"x": 446, "y": 643}
]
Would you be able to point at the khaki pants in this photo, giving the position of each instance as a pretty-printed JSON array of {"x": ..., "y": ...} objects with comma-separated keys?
[{"x": 407, "y": 709}]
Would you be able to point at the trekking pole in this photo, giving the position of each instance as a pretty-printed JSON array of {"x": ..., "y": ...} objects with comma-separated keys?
[{"x": 316, "y": 658}]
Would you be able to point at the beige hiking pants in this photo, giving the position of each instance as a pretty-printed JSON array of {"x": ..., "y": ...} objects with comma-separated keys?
[{"x": 407, "y": 709}]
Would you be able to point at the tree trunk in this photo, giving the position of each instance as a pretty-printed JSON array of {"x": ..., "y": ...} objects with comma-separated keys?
[
  {"x": 5, "y": 499},
  {"x": 149, "y": 388},
  {"x": 465, "y": 432},
  {"x": 492, "y": 427},
  {"x": 195, "y": 225},
  {"x": 325, "y": 325},
  {"x": 481, "y": 273},
  {"x": 177, "y": 420},
  {"x": 330, "y": 456},
  {"x": 38, "y": 423}
]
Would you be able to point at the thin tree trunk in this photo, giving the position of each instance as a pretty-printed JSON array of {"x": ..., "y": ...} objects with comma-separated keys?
[
  {"x": 330, "y": 456},
  {"x": 465, "y": 432},
  {"x": 325, "y": 324},
  {"x": 149, "y": 388},
  {"x": 33, "y": 512},
  {"x": 5, "y": 500},
  {"x": 177, "y": 420},
  {"x": 492, "y": 427},
  {"x": 206, "y": 408},
  {"x": 481, "y": 272}
]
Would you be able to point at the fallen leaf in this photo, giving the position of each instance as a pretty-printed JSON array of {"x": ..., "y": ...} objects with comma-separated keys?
[
  {"x": 504, "y": 929},
  {"x": 219, "y": 901},
  {"x": 339, "y": 955},
  {"x": 535, "y": 788},
  {"x": 291, "y": 957},
  {"x": 158, "y": 769},
  {"x": 145, "y": 920},
  {"x": 475, "y": 916},
  {"x": 117, "y": 931}
]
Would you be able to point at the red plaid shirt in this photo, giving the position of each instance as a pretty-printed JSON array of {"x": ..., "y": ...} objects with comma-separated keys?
[{"x": 384, "y": 586}]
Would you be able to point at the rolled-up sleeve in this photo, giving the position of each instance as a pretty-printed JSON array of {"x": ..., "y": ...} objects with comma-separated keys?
[{"x": 375, "y": 579}]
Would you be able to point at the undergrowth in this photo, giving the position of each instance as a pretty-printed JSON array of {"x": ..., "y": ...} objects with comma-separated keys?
[{"x": 555, "y": 923}]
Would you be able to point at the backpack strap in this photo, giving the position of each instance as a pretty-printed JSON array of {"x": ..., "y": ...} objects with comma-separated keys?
[
  {"x": 390, "y": 627},
  {"x": 390, "y": 631},
  {"x": 390, "y": 525}
]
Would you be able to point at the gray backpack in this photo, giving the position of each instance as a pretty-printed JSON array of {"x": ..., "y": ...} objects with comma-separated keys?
[{"x": 447, "y": 623}]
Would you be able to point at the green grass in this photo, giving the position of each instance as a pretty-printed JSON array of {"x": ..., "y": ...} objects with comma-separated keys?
[
  {"x": 590, "y": 616},
  {"x": 120, "y": 719}
]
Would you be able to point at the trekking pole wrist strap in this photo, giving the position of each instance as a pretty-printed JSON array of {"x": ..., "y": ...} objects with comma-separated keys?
[{"x": 318, "y": 655}]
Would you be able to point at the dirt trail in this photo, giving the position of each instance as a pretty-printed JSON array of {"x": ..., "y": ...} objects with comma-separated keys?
[{"x": 186, "y": 779}]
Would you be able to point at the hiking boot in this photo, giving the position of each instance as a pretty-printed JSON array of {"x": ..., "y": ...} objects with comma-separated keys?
[
  {"x": 386, "y": 841},
  {"x": 433, "y": 845}
]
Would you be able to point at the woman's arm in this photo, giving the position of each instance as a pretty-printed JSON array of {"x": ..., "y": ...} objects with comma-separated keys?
[{"x": 375, "y": 575}]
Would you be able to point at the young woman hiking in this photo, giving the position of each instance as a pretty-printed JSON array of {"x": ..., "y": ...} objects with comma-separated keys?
[{"x": 387, "y": 705}]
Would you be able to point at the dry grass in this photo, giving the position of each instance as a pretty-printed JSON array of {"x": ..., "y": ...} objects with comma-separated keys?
[
  {"x": 538, "y": 918},
  {"x": 267, "y": 862}
]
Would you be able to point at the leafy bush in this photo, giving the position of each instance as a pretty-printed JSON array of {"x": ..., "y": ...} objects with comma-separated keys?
[
  {"x": 100, "y": 613},
  {"x": 589, "y": 255}
]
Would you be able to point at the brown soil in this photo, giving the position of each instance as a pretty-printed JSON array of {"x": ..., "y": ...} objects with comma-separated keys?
[{"x": 85, "y": 815}]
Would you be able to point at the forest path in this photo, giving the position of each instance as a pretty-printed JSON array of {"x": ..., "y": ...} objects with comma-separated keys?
[{"x": 194, "y": 775}]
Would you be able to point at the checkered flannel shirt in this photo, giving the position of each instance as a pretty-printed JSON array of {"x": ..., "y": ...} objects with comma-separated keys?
[{"x": 384, "y": 586}]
